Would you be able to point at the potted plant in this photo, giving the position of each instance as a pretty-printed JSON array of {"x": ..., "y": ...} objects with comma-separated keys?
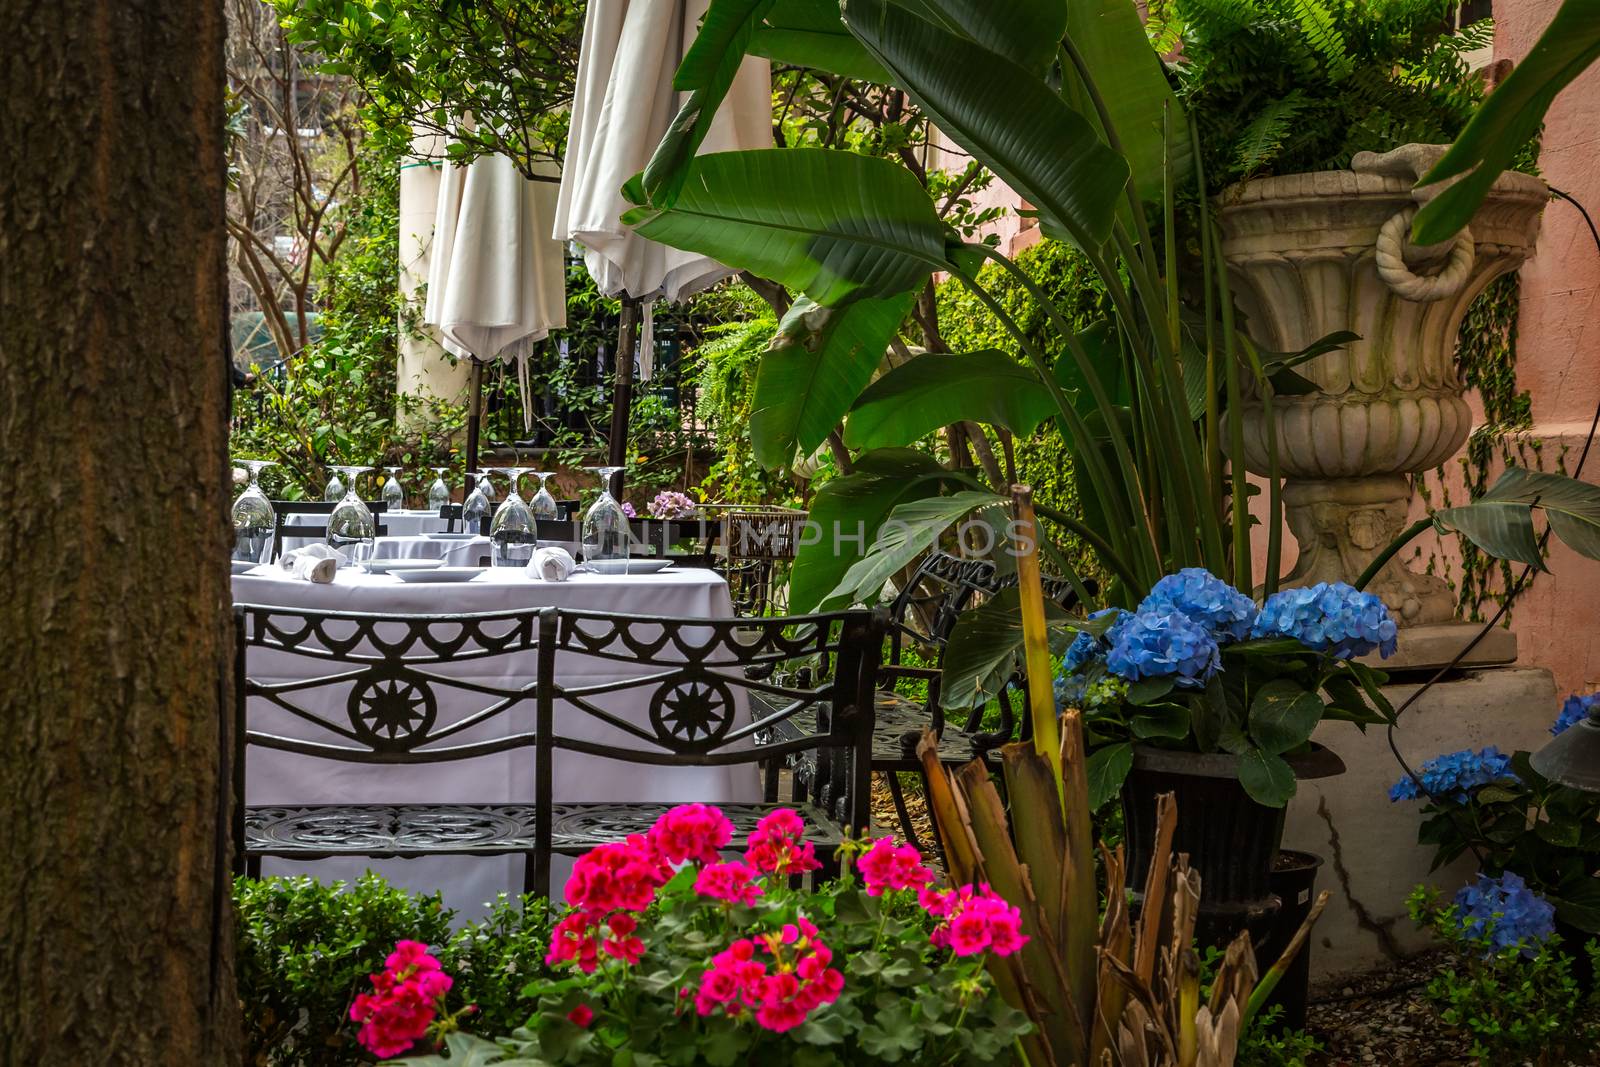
[{"x": 1202, "y": 693}]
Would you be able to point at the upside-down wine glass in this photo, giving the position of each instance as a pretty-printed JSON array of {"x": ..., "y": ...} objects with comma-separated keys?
[
  {"x": 543, "y": 504},
  {"x": 334, "y": 491},
  {"x": 394, "y": 494},
  {"x": 476, "y": 505},
  {"x": 438, "y": 492},
  {"x": 605, "y": 526},
  {"x": 352, "y": 532},
  {"x": 253, "y": 520},
  {"x": 514, "y": 533}
]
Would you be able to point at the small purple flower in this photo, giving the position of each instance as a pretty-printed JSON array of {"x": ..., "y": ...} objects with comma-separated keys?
[
  {"x": 1573, "y": 711},
  {"x": 1163, "y": 644},
  {"x": 1329, "y": 617},
  {"x": 670, "y": 504},
  {"x": 627, "y": 509},
  {"x": 1507, "y": 911},
  {"x": 1224, "y": 611}
]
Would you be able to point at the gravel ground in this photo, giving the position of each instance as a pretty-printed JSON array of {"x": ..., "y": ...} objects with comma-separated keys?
[{"x": 1384, "y": 1018}]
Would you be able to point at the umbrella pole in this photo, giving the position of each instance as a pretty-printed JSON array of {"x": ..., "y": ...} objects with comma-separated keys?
[
  {"x": 622, "y": 393},
  {"x": 474, "y": 424}
]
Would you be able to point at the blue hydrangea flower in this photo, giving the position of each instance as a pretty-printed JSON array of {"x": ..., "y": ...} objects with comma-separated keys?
[
  {"x": 1573, "y": 711},
  {"x": 1163, "y": 644},
  {"x": 1455, "y": 774},
  {"x": 1329, "y": 617},
  {"x": 1508, "y": 911},
  {"x": 1087, "y": 646},
  {"x": 1207, "y": 599}
]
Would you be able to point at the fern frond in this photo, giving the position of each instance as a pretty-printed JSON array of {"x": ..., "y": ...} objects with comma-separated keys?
[
  {"x": 1263, "y": 139},
  {"x": 1316, "y": 21}
]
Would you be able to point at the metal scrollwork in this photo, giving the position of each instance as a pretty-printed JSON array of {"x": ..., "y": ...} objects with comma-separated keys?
[
  {"x": 392, "y": 710},
  {"x": 694, "y": 713}
]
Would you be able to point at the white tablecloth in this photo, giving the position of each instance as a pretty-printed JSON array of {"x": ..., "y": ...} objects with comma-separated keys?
[
  {"x": 456, "y": 552},
  {"x": 410, "y": 523},
  {"x": 275, "y": 777}
]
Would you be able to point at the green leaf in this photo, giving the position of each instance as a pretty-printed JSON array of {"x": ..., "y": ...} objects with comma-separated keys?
[
  {"x": 835, "y": 225},
  {"x": 1500, "y": 521},
  {"x": 707, "y": 72},
  {"x": 1267, "y": 778},
  {"x": 1160, "y": 720},
  {"x": 1282, "y": 716},
  {"x": 1006, "y": 117},
  {"x": 1027, "y": 32},
  {"x": 940, "y": 388},
  {"x": 810, "y": 33},
  {"x": 823, "y": 1028},
  {"x": 816, "y": 366},
  {"x": 985, "y": 650},
  {"x": 1508, "y": 119},
  {"x": 910, "y": 530},
  {"x": 847, "y": 511},
  {"x": 1148, "y": 690},
  {"x": 1109, "y": 36},
  {"x": 1108, "y": 768}
]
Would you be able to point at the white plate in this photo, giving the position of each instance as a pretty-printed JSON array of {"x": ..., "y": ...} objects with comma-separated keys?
[
  {"x": 440, "y": 574},
  {"x": 628, "y": 566},
  {"x": 453, "y": 536},
  {"x": 388, "y": 566},
  {"x": 243, "y": 566}
]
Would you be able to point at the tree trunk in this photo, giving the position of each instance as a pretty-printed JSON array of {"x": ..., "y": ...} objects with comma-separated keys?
[{"x": 114, "y": 922}]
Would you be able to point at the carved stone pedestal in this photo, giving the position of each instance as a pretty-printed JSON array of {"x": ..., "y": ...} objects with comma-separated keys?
[{"x": 1313, "y": 254}]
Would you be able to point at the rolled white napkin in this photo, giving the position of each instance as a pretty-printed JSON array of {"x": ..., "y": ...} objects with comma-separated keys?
[
  {"x": 552, "y": 564},
  {"x": 313, "y": 563}
]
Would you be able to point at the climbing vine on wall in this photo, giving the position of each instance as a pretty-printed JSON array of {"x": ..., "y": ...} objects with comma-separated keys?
[{"x": 1486, "y": 355}]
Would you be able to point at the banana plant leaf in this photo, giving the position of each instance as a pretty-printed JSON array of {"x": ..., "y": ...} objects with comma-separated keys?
[
  {"x": 1508, "y": 119},
  {"x": 835, "y": 225},
  {"x": 1110, "y": 39},
  {"x": 1500, "y": 521},
  {"x": 985, "y": 649},
  {"x": 1005, "y": 116},
  {"x": 939, "y": 388},
  {"x": 814, "y": 369},
  {"x": 1027, "y": 32},
  {"x": 848, "y": 510},
  {"x": 909, "y": 531},
  {"x": 810, "y": 33},
  {"x": 706, "y": 74}
]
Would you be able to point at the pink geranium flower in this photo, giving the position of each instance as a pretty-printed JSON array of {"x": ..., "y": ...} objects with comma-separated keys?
[
  {"x": 976, "y": 919},
  {"x": 887, "y": 866},
  {"x": 694, "y": 832},
  {"x": 777, "y": 845},
  {"x": 406, "y": 997},
  {"x": 731, "y": 883}
]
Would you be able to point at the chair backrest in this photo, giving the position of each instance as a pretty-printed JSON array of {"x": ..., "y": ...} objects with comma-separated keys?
[
  {"x": 693, "y": 677},
  {"x": 285, "y": 510},
  {"x": 389, "y": 688}
]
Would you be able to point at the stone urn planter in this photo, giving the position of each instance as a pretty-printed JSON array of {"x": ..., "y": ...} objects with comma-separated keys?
[{"x": 1312, "y": 254}]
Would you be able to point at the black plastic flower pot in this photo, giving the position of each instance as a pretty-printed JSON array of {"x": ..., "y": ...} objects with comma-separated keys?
[
  {"x": 1294, "y": 882},
  {"x": 1231, "y": 840}
]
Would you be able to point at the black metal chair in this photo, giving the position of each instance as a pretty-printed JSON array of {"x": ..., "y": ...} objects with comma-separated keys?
[
  {"x": 690, "y": 673},
  {"x": 395, "y": 701},
  {"x": 285, "y": 510},
  {"x": 922, "y": 616}
]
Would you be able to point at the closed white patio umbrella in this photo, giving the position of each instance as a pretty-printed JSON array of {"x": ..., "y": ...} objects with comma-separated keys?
[
  {"x": 622, "y": 107},
  {"x": 496, "y": 276}
]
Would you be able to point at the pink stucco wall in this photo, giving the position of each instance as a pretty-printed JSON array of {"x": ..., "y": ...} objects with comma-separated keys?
[{"x": 1558, "y": 352}]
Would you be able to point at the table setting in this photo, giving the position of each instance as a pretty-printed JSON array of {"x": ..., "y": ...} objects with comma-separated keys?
[{"x": 420, "y": 573}]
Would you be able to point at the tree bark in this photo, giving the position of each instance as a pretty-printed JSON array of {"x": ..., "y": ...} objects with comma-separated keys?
[{"x": 114, "y": 917}]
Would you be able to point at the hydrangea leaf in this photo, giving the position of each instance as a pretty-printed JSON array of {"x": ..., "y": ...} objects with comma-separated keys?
[
  {"x": 1282, "y": 716},
  {"x": 1267, "y": 778},
  {"x": 1161, "y": 720},
  {"x": 1108, "y": 768}
]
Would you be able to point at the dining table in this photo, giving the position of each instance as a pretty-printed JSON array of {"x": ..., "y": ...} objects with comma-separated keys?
[{"x": 276, "y": 777}]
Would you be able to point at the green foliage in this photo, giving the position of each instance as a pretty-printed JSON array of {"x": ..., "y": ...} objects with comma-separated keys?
[
  {"x": 1514, "y": 1005},
  {"x": 492, "y": 75},
  {"x": 335, "y": 401},
  {"x": 1283, "y": 86},
  {"x": 306, "y": 949},
  {"x": 903, "y": 1000}
]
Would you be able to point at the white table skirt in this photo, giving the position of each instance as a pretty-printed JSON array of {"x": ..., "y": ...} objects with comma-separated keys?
[
  {"x": 411, "y": 523},
  {"x": 454, "y": 551},
  {"x": 275, "y": 777}
]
